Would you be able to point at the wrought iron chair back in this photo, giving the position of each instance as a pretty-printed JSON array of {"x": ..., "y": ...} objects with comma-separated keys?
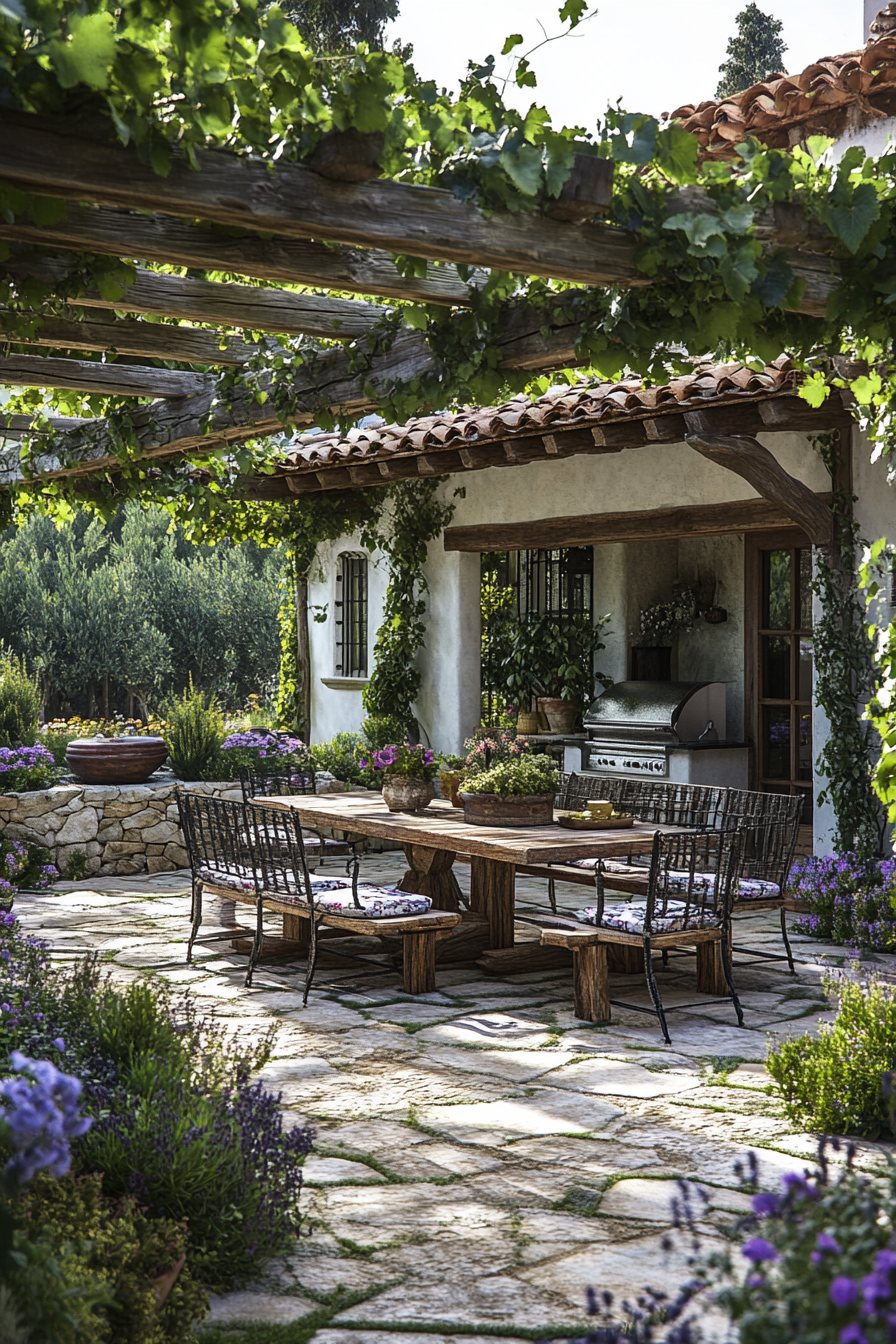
[
  {"x": 576, "y": 790},
  {"x": 273, "y": 781},
  {"x": 216, "y": 837},
  {"x": 690, "y": 881}
]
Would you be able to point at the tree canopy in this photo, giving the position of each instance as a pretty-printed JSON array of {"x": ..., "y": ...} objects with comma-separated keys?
[
  {"x": 755, "y": 53},
  {"x": 339, "y": 25}
]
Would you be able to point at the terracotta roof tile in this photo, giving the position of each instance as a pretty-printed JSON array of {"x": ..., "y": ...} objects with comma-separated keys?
[
  {"x": 573, "y": 407},
  {"x": 826, "y": 98}
]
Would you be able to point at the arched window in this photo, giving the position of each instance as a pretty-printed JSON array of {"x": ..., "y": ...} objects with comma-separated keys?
[{"x": 351, "y": 615}]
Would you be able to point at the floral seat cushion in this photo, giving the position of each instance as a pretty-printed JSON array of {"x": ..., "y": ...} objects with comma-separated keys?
[
  {"x": 241, "y": 879},
  {"x": 376, "y": 902},
  {"x": 630, "y": 917},
  {"x": 636, "y": 866},
  {"x": 703, "y": 884},
  {"x": 332, "y": 895}
]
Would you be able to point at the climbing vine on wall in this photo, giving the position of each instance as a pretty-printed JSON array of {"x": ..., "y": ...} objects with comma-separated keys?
[
  {"x": 416, "y": 516},
  {"x": 846, "y": 677}
]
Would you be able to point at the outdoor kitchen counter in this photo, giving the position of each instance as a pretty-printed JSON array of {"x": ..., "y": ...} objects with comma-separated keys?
[{"x": 431, "y": 839}]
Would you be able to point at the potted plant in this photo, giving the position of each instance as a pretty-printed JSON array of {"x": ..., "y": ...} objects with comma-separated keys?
[
  {"x": 407, "y": 774},
  {"x": 561, "y": 653},
  {"x": 451, "y": 773},
  {"x": 517, "y": 792}
]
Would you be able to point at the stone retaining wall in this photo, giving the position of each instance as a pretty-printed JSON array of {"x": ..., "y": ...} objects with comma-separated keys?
[{"x": 121, "y": 828}]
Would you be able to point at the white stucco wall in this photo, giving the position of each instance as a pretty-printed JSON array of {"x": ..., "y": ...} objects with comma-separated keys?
[{"x": 339, "y": 711}]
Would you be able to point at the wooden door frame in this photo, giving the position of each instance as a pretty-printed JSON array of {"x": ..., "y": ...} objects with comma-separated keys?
[{"x": 754, "y": 544}]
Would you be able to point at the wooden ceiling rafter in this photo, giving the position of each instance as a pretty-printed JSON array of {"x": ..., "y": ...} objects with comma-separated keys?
[
  {"x": 124, "y": 336},
  {"x": 290, "y": 261}
]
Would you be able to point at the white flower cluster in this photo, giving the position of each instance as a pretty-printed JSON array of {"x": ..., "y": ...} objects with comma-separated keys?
[{"x": 664, "y": 620}]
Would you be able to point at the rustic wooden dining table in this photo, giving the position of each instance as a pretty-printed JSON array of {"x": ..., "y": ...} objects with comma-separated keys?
[{"x": 433, "y": 838}]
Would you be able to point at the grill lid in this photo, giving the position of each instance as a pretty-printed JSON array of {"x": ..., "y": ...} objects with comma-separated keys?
[{"x": 650, "y": 711}]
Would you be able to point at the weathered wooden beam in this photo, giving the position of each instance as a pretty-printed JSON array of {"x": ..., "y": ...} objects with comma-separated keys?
[
  {"x": 23, "y": 424},
  {"x": 748, "y": 458},
  {"x": 291, "y": 200},
  {"x": 85, "y": 375},
  {"x": 146, "y": 340},
  {"x": 601, "y": 529},
  {"x": 196, "y": 423},
  {"x": 247, "y": 306},
  {"x": 46, "y": 156},
  {"x": 288, "y": 261}
]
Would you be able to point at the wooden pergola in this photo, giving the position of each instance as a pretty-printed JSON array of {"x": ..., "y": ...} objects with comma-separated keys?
[{"x": 310, "y": 226}]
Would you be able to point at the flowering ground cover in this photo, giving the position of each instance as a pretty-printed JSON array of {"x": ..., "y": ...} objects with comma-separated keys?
[{"x": 852, "y": 901}]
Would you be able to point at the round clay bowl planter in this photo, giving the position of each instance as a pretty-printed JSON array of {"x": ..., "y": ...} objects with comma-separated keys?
[
  {"x": 402, "y": 793},
  {"x": 494, "y": 809},
  {"x": 561, "y": 714},
  {"x": 115, "y": 760}
]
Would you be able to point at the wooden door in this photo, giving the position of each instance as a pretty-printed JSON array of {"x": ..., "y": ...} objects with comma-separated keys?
[{"x": 779, "y": 663}]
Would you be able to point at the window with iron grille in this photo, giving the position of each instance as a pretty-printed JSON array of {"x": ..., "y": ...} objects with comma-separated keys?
[
  {"x": 351, "y": 616},
  {"x": 552, "y": 583}
]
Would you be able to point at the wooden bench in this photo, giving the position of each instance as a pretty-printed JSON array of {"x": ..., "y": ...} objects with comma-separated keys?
[
  {"x": 418, "y": 933},
  {"x": 590, "y": 965}
]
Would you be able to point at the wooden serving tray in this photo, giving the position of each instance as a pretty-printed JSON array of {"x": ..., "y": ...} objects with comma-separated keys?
[{"x": 607, "y": 824}]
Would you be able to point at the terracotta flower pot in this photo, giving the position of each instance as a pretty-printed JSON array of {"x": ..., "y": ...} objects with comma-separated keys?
[
  {"x": 561, "y": 714},
  {"x": 449, "y": 783},
  {"x": 403, "y": 793},
  {"x": 496, "y": 809},
  {"x": 115, "y": 760}
]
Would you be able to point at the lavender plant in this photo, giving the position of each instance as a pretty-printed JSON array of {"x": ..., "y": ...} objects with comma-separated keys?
[
  {"x": 820, "y": 1261},
  {"x": 852, "y": 900},
  {"x": 178, "y": 1121},
  {"x": 832, "y": 1082}
]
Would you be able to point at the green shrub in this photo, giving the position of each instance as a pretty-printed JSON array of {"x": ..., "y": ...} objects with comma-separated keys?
[
  {"x": 76, "y": 868},
  {"x": 19, "y": 702},
  {"x": 194, "y": 734},
  {"x": 381, "y": 729},
  {"x": 526, "y": 775},
  {"x": 112, "y": 1249},
  {"x": 833, "y": 1083},
  {"x": 340, "y": 757}
]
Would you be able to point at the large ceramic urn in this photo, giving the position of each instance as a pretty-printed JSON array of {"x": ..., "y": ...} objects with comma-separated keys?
[{"x": 115, "y": 760}]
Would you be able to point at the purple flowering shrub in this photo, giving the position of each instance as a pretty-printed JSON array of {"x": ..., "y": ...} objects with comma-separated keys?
[
  {"x": 41, "y": 1115},
  {"x": 23, "y": 769},
  {"x": 816, "y": 1264},
  {"x": 821, "y": 1256},
  {"x": 852, "y": 901},
  {"x": 833, "y": 1083},
  {"x": 258, "y": 749},
  {"x": 181, "y": 1126},
  {"x": 177, "y": 1120},
  {"x": 24, "y": 865},
  {"x": 413, "y": 762}
]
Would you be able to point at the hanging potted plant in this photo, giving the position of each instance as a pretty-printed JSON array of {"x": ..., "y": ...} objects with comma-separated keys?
[
  {"x": 517, "y": 792},
  {"x": 407, "y": 774},
  {"x": 660, "y": 626}
]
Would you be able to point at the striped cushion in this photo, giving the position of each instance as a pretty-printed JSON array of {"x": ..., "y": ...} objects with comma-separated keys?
[{"x": 630, "y": 917}]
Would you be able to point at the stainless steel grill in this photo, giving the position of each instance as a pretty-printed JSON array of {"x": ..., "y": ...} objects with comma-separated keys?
[{"x": 672, "y": 730}]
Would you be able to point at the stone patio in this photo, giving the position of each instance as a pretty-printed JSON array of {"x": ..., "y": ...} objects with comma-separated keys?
[{"x": 481, "y": 1155}]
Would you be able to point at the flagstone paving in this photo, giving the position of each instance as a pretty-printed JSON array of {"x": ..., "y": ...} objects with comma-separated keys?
[{"x": 482, "y": 1156}]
